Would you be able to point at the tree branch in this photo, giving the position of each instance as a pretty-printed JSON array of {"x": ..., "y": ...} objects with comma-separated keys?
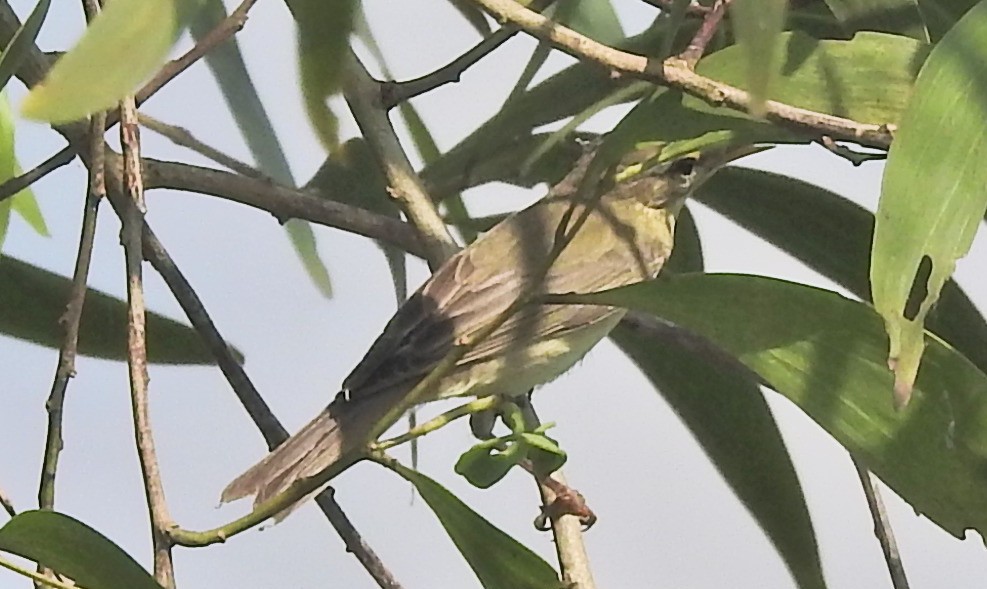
[
  {"x": 282, "y": 202},
  {"x": 882, "y": 527},
  {"x": 394, "y": 93},
  {"x": 711, "y": 21},
  {"x": 131, "y": 236},
  {"x": 362, "y": 93},
  {"x": 676, "y": 73},
  {"x": 73, "y": 314}
]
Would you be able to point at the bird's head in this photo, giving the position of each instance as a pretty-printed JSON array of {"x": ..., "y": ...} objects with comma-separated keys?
[{"x": 666, "y": 184}]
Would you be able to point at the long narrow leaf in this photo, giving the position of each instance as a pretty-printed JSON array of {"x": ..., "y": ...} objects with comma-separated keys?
[{"x": 933, "y": 196}]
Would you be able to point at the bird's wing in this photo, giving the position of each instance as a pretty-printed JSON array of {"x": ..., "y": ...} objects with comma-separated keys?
[{"x": 479, "y": 283}]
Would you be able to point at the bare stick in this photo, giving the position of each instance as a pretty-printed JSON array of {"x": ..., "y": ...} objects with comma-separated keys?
[
  {"x": 131, "y": 235},
  {"x": 224, "y": 31},
  {"x": 362, "y": 93},
  {"x": 676, "y": 73},
  {"x": 394, "y": 93},
  {"x": 73, "y": 314},
  {"x": 882, "y": 527},
  {"x": 14, "y": 185},
  {"x": 183, "y": 137},
  {"x": 711, "y": 21},
  {"x": 282, "y": 202}
]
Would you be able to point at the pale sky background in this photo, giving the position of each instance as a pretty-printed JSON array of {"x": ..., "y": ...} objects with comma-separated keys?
[{"x": 666, "y": 517}]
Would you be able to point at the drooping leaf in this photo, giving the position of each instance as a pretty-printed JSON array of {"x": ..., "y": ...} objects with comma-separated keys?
[
  {"x": 498, "y": 560},
  {"x": 17, "y": 49},
  {"x": 758, "y": 24},
  {"x": 32, "y": 300},
  {"x": 723, "y": 408},
  {"x": 324, "y": 28},
  {"x": 73, "y": 549},
  {"x": 832, "y": 236},
  {"x": 827, "y": 354},
  {"x": 228, "y": 67},
  {"x": 142, "y": 30},
  {"x": 933, "y": 196}
]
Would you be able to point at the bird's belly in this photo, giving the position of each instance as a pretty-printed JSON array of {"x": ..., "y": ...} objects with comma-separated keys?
[{"x": 519, "y": 371}]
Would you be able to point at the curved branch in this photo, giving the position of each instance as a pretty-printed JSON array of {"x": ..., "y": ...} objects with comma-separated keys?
[
  {"x": 282, "y": 202},
  {"x": 676, "y": 73}
]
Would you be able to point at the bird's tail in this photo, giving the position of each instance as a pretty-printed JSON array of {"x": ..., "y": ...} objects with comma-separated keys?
[{"x": 340, "y": 428}]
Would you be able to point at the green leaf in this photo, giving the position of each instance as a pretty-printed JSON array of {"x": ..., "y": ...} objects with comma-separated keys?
[
  {"x": 498, "y": 560},
  {"x": 32, "y": 300},
  {"x": 324, "y": 28},
  {"x": 303, "y": 239},
  {"x": 73, "y": 549},
  {"x": 932, "y": 197},
  {"x": 887, "y": 16},
  {"x": 23, "y": 39},
  {"x": 758, "y": 24},
  {"x": 485, "y": 464},
  {"x": 832, "y": 236},
  {"x": 126, "y": 43},
  {"x": 723, "y": 408},
  {"x": 594, "y": 18},
  {"x": 26, "y": 206},
  {"x": 867, "y": 79},
  {"x": 827, "y": 354},
  {"x": 228, "y": 67}
]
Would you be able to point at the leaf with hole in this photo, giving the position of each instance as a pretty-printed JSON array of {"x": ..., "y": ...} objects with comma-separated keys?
[{"x": 932, "y": 196}]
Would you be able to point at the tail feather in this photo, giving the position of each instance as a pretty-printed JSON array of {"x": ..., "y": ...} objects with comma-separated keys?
[{"x": 340, "y": 428}]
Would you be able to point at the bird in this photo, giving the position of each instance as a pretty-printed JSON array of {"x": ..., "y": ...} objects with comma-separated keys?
[{"x": 567, "y": 242}]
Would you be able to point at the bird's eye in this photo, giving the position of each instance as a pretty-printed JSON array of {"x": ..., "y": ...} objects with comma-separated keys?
[{"x": 683, "y": 167}]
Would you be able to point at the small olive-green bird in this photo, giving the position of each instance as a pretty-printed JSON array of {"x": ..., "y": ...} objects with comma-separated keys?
[{"x": 564, "y": 243}]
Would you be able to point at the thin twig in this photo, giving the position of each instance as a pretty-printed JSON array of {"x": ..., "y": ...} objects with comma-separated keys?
[
  {"x": 222, "y": 32},
  {"x": 39, "y": 578},
  {"x": 854, "y": 157},
  {"x": 711, "y": 21},
  {"x": 131, "y": 235},
  {"x": 394, "y": 93},
  {"x": 73, "y": 314},
  {"x": 676, "y": 73},
  {"x": 184, "y": 138},
  {"x": 251, "y": 399},
  {"x": 362, "y": 93},
  {"x": 882, "y": 527},
  {"x": 282, "y": 202},
  {"x": 14, "y": 185}
]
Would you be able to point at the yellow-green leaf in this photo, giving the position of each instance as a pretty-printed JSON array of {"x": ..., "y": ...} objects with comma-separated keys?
[
  {"x": 122, "y": 47},
  {"x": 933, "y": 195}
]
